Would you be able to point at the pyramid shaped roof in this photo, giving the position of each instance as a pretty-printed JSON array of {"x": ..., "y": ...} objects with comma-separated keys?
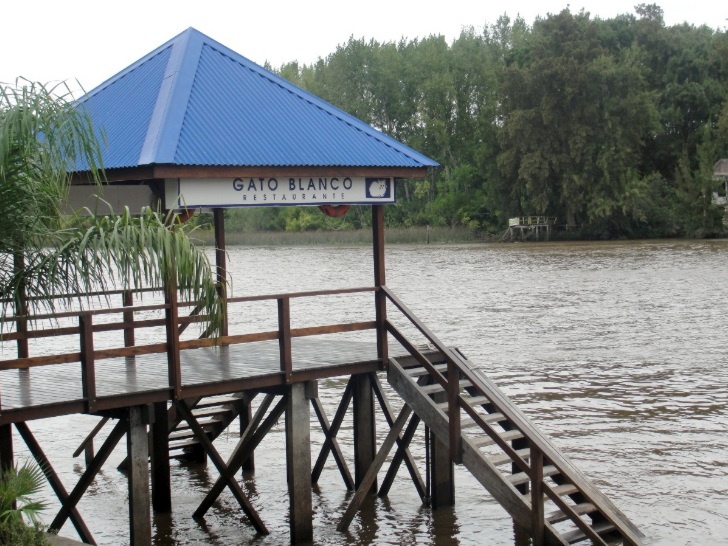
[{"x": 195, "y": 102}]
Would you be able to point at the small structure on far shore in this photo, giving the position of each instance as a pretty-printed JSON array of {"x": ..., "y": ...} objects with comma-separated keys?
[{"x": 529, "y": 227}]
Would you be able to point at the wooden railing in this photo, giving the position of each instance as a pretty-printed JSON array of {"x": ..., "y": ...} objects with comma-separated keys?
[
  {"x": 87, "y": 326},
  {"x": 542, "y": 452}
]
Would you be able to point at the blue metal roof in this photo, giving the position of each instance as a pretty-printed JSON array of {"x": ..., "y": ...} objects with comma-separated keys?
[{"x": 193, "y": 101}]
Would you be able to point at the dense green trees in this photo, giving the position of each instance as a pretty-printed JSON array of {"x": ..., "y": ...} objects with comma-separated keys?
[{"x": 612, "y": 126}]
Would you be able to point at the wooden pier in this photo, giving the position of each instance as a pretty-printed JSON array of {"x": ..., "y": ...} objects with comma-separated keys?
[
  {"x": 138, "y": 368},
  {"x": 523, "y": 228},
  {"x": 181, "y": 394}
]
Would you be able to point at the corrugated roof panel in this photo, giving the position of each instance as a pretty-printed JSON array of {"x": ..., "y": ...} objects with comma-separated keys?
[
  {"x": 195, "y": 102},
  {"x": 238, "y": 116},
  {"x": 122, "y": 109}
]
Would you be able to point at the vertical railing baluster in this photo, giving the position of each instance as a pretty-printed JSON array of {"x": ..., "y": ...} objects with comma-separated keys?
[
  {"x": 537, "y": 509},
  {"x": 171, "y": 315},
  {"x": 221, "y": 264},
  {"x": 21, "y": 311},
  {"x": 284, "y": 337},
  {"x": 127, "y": 300},
  {"x": 380, "y": 298},
  {"x": 88, "y": 364},
  {"x": 453, "y": 408}
]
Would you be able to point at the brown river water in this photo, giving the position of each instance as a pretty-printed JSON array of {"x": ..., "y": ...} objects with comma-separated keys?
[{"x": 616, "y": 350}]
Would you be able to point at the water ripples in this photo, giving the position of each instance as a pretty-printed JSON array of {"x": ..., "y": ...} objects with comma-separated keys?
[{"x": 616, "y": 350}]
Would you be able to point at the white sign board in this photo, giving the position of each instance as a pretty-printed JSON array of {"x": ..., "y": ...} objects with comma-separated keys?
[{"x": 278, "y": 191}]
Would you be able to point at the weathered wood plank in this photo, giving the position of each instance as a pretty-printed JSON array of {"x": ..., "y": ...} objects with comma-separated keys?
[{"x": 214, "y": 370}]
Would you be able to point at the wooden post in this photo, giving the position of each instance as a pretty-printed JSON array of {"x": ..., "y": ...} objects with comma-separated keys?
[
  {"x": 171, "y": 314},
  {"x": 380, "y": 300},
  {"x": 6, "y": 448},
  {"x": 246, "y": 417},
  {"x": 284, "y": 337},
  {"x": 21, "y": 324},
  {"x": 221, "y": 263},
  {"x": 442, "y": 469},
  {"x": 453, "y": 412},
  {"x": 140, "y": 525},
  {"x": 161, "y": 487},
  {"x": 127, "y": 300},
  {"x": 365, "y": 447},
  {"x": 537, "y": 509},
  {"x": 88, "y": 363},
  {"x": 298, "y": 457}
]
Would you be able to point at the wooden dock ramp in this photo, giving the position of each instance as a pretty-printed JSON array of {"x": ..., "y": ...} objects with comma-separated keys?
[{"x": 507, "y": 454}]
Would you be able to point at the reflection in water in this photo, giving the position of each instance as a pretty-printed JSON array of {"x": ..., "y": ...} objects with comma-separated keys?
[{"x": 615, "y": 350}]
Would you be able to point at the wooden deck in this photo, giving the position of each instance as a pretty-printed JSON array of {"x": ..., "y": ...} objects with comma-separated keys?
[{"x": 48, "y": 391}]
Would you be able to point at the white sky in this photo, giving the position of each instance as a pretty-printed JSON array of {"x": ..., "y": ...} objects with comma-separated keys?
[{"x": 91, "y": 40}]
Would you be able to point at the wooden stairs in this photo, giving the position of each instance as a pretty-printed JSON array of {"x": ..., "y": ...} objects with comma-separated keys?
[
  {"x": 214, "y": 414},
  {"x": 507, "y": 454}
]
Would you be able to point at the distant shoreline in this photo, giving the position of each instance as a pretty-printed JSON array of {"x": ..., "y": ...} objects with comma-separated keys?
[
  {"x": 413, "y": 235},
  {"x": 399, "y": 235}
]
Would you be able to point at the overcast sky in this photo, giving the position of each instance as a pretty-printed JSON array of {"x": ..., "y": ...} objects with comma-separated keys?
[{"x": 91, "y": 40}]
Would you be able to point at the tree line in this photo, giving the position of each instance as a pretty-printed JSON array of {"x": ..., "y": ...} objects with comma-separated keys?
[{"x": 611, "y": 125}]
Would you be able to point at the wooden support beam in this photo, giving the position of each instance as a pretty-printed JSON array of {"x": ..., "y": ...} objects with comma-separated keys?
[
  {"x": 365, "y": 447},
  {"x": 298, "y": 459},
  {"x": 330, "y": 445},
  {"x": 6, "y": 448},
  {"x": 21, "y": 323},
  {"x": 87, "y": 446},
  {"x": 250, "y": 439},
  {"x": 127, "y": 300},
  {"x": 333, "y": 431},
  {"x": 380, "y": 299},
  {"x": 222, "y": 468},
  {"x": 137, "y": 442},
  {"x": 221, "y": 263},
  {"x": 171, "y": 317},
  {"x": 453, "y": 412},
  {"x": 54, "y": 481},
  {"x": 88, "y": 476},
  {"x": 161, "y": 486},
  {"x": 88, "y": 361},
  {"x": 246, "y": 418},
  {"x": 370, "y": 477},
  {"x": 284, "y": 338},
  {"x": 399, "y": 456},
  {"x": 442, "y": 469},
  {"x": 403, "y": 452},
  {"x": 537, "y": 508}
]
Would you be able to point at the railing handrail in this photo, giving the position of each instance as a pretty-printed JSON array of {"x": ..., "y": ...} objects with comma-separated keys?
[
  {"x": 305, "y": 294},
  {"x": 101, "y": 354},
  {"x": 512, "y": 414},
  {"x": 93, "y": 294},
  {"x": 161, "y": 306}
]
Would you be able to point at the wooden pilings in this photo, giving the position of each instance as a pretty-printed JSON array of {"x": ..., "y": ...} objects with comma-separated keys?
[
  {"x": 147, "y": 430},
  {"x": 161, "y": 487},
  {"x": 6, "y": 448},
  {"x": 140, "y": 526},
  {"x": 364, "y": 428},
  {"x": 298, "y": 459},
  {"x": 442, "y": 469}
]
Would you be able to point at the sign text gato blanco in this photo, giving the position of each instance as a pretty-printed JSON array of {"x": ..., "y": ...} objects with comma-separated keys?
[{"x": 279, "y": 191}]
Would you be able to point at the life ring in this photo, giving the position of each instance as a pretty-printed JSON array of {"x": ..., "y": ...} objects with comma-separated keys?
[
  {"x": 334, "y": 211},
  {"x": 182, "y": 216}
]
